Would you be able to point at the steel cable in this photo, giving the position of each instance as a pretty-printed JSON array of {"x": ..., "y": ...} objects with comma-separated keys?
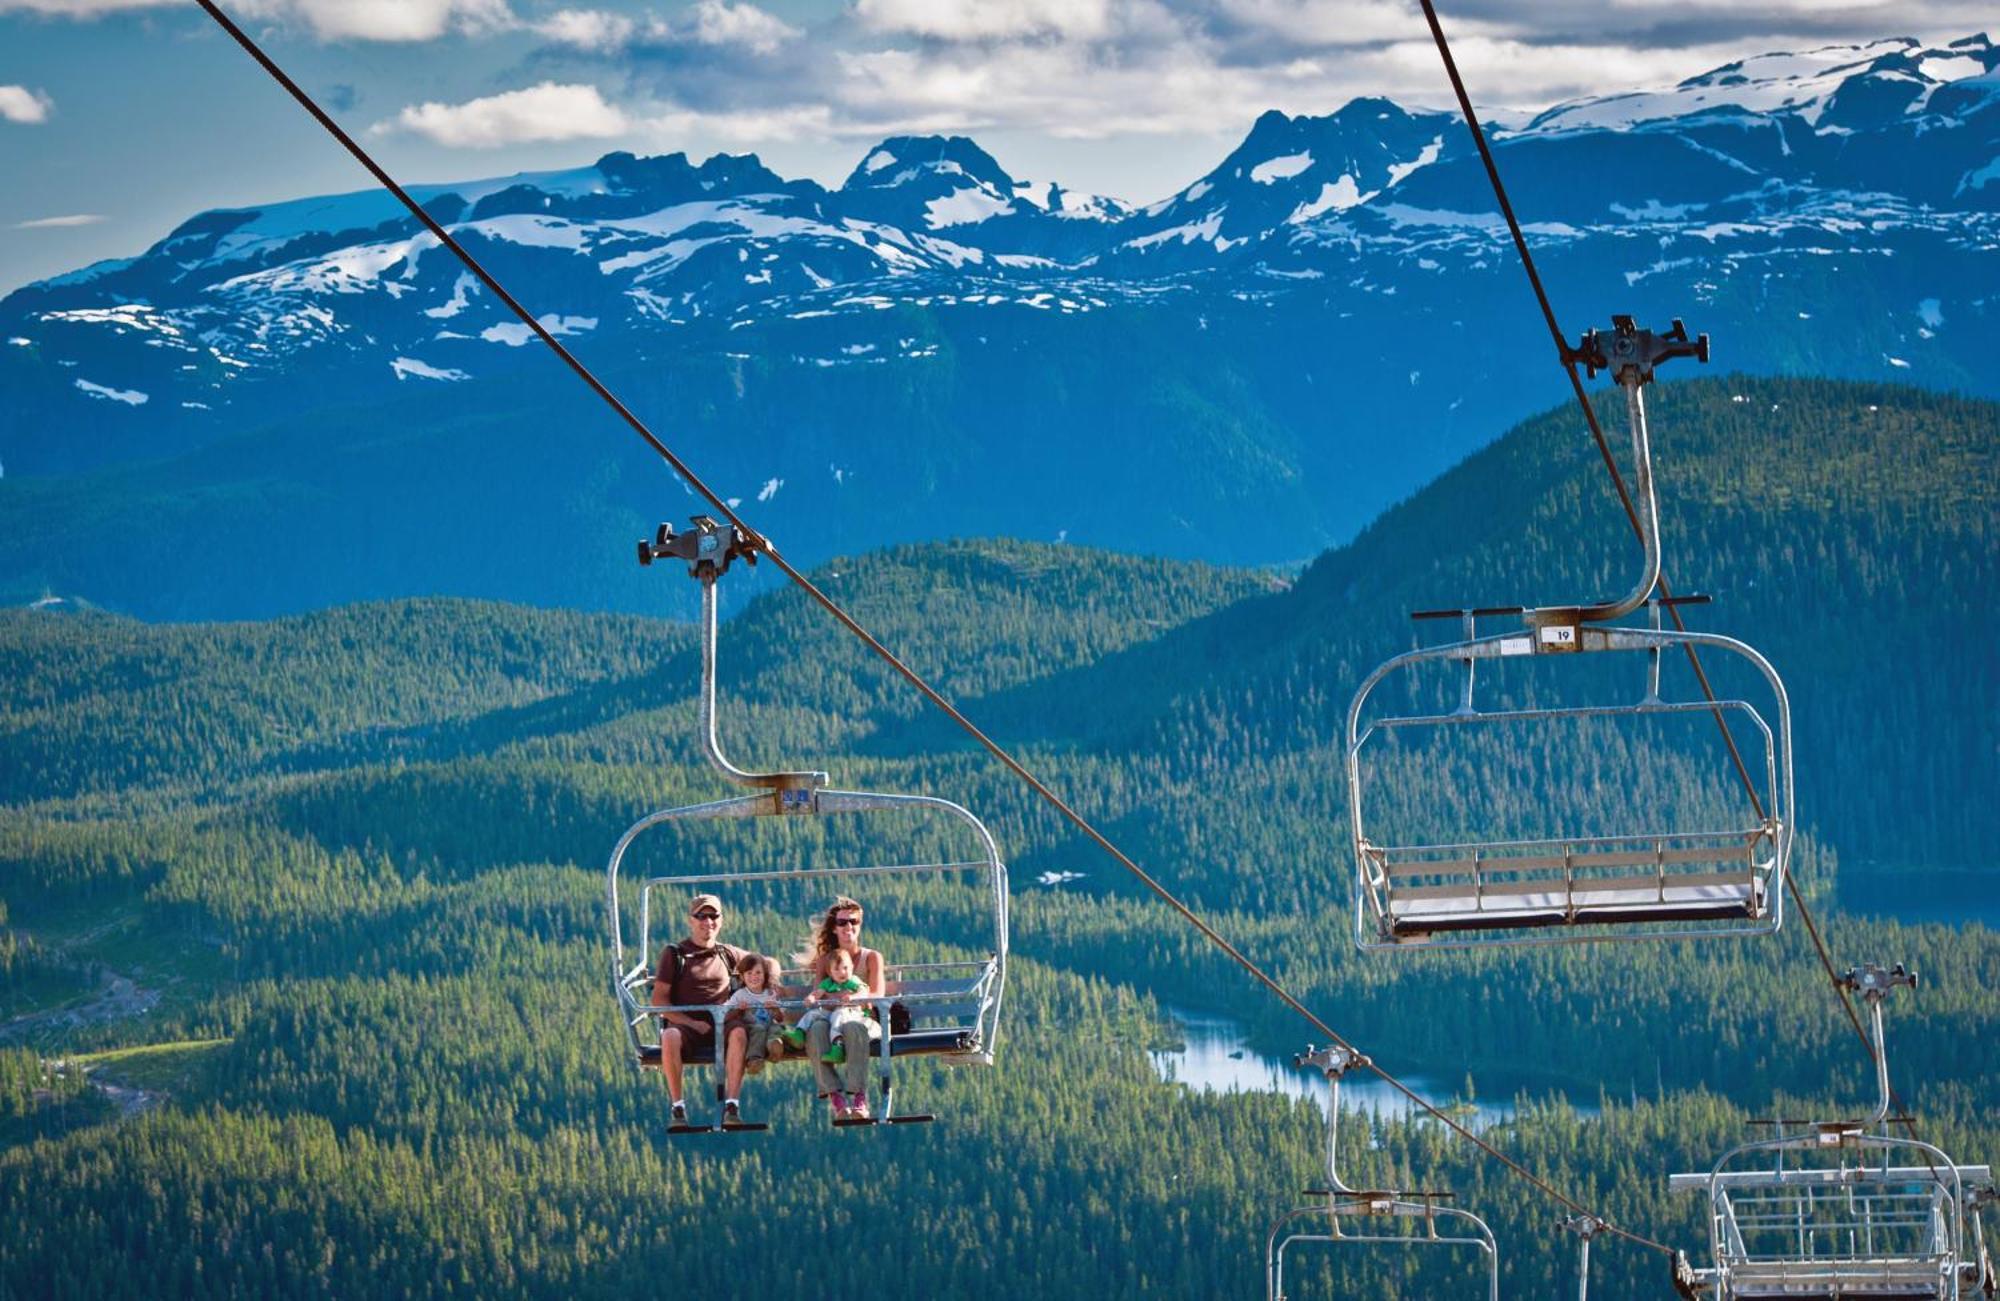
[{"x": 764, "y": 547}]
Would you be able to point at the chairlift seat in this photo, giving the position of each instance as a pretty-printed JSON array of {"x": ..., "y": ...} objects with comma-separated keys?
[{"x": 1614, "y": 880}]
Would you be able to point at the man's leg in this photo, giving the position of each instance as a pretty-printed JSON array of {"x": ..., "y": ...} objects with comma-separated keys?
[
  {"x": 670, "y": 1060},
  {"x": 732, "y": 1061}
]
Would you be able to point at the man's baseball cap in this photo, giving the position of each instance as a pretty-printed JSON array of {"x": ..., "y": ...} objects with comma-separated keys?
[{"x": 712, "y": 901}]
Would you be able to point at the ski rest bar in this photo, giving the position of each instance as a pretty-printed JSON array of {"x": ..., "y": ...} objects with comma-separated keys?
[{"x": 1659, "y": 883}]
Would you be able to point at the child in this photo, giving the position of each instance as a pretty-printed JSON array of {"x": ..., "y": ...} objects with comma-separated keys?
[
  {"x": 829, "y": 1000},
  {"x": 755, "y": 1008}
]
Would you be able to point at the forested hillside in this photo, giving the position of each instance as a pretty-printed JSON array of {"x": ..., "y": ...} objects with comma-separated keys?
[{"x": 323, "y": 897}]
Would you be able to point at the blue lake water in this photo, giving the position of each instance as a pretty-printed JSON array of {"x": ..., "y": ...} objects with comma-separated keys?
[{"x": 1216, "y": 1058}]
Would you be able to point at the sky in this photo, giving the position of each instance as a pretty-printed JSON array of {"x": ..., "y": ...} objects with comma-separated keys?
[{"x": 121, "y": 118}]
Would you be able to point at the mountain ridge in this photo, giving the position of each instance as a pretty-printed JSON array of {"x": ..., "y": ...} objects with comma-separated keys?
[{"x": 1321, "y": 323}]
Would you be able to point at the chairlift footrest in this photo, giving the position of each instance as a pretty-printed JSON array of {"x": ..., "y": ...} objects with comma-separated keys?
[
  {"x": 690, "y": 1129},
  {"x": 853, "y": 1122},
  {"x": 744, "y": 1126},
  {"x": 920, "y": 1118}
]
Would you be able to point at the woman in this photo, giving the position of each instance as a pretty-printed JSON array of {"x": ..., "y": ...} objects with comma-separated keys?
[{"x": 838, "y": 929}]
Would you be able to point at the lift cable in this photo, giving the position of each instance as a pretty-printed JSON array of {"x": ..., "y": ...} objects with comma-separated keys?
[
  {"x": 1631, "y": 514},
  {"x": 763, "y": 546}
]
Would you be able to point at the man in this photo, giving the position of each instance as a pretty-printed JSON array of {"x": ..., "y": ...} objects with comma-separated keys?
[{"x": 696, "y": 970}]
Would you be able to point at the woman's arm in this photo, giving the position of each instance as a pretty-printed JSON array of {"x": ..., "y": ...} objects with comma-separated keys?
[{"x": 872, "y": 971}]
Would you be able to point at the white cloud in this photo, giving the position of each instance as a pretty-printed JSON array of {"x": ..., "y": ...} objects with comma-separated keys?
[
  {"x": 1313, "y": 23},
  {"x": 586, "y": 29},
  {"x": 548, "y": 111},
  {"x": 672, "y": 126},
  {"x": 27, "y": 107},
  {"x": 968, "y": 20},
  {"x": 78, "y": 8},
  {"x": 388, "y": 20},
  {"x": 53, "y": 223},
  {"x": 717, "y": 22}
]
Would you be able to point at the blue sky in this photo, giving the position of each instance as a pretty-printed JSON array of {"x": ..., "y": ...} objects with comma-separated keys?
[{"x": 120, "y": 118}]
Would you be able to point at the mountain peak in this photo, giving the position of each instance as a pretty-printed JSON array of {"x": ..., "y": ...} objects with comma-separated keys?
[{"x": 902, "y": 160}]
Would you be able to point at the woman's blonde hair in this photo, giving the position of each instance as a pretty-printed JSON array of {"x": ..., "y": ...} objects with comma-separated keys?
[{"x": 822, "y": 940}]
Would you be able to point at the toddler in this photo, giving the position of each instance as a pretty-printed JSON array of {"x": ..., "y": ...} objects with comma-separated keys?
[{"x": 829, "y": 1000}]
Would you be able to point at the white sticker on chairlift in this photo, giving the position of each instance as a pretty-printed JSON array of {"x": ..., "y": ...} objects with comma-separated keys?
[{"x": 1558, "y": 636}]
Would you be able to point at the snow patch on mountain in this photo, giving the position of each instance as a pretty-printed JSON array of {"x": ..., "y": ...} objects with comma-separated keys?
[
  {"x": 1333, "y": 196},
  {"x": 533, "y": 231},
  {"x": 1277, "y": 169},
  {"x": 965, "y": 207},
  {"x": 514, "y": 334},
  {"x": 460, "y": 288},
  {"x": 353, "y": 270},
  {"x": 1209, "y": 228},
  {"x": 1397, "y": 171},
  {"x": 105, "y": 393},
  {"x": 406, "y": 367}
]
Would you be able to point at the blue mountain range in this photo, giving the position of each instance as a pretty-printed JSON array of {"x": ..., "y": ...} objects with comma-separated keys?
[{"x": 1248, "y": 370}]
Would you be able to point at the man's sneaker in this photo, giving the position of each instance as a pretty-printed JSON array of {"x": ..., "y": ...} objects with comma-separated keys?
[
  {"x": 839, "y": 1101},
  {"x": 678, "y": 1114},
  {"x": 793, "y": 1036},
  {"x": 835, "y": 1055},
  {"x": 857, "y": 1106},
  {"x": 731, "y": 1113}
]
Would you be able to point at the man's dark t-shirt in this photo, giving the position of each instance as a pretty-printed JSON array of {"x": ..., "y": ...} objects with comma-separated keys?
[{"x": 705, "y": 974}]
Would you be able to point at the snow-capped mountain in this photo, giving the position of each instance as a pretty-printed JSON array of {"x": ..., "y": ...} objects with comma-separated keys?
[
  {"x": 1291, "y": 171},
  {"x": 1316, "y": 325}
]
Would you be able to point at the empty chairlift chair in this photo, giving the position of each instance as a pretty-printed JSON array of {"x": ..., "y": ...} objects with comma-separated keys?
[
  {"x": 1652, "y": 882},
  {"x": 949, "y": 1011},
  {"x": 1350, "y": 1216},
  {"x": 1843, "y": 1211}
]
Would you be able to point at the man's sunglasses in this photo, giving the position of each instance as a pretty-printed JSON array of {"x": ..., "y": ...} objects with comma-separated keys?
[{"x": 707, "y": 915}]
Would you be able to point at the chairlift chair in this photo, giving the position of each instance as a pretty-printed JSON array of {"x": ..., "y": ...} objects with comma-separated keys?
[
  {"x": 1379, "y": 1217},
  {"x": 1843, "y": 1211},
  {"x": 1656, "y": 883},
  {"x": 953, "y": 1007}
]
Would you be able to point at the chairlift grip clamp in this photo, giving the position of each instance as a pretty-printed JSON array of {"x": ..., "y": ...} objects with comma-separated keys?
[
  {"x": 1333, "y": 1060},
  {"x": 1873, "y": 982},
  {"x": 708, "y": 548},
  {"x": 1630, "y": 353}
]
